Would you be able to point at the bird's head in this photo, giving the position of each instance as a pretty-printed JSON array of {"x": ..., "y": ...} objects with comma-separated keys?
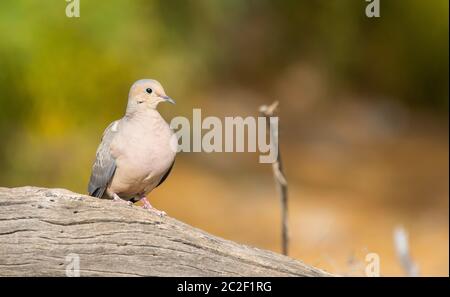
[{"x": 145, "y": 94}]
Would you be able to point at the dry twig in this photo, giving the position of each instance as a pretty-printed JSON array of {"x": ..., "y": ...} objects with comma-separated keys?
[{"x": 280, "y": 180}]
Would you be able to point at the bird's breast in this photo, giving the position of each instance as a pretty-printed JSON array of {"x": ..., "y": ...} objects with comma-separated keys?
[{"x": 143, "y": 154}]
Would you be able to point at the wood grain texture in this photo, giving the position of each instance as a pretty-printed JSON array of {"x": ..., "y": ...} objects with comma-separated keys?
[{"x": 39, "y": 227}]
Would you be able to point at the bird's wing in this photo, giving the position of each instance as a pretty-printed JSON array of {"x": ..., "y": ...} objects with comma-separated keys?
[
  {"x": 105, "y": 164},
  {"x": 166, "y": 174}
]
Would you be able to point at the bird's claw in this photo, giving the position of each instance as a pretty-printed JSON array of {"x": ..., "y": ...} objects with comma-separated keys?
[
  {"x": 120, "y": 200},
  {"x": 149, "y": 207},
  {"x": 160, "y": 213}
]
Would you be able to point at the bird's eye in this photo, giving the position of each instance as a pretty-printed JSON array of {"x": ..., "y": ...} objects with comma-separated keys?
[{"x": 149, "y": 90}]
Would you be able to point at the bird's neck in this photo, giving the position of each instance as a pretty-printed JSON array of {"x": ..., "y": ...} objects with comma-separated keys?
[{"x": 144, "y": 114}]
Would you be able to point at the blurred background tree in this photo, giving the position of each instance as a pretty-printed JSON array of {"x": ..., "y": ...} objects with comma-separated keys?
[{"x": 364, "y": 111}]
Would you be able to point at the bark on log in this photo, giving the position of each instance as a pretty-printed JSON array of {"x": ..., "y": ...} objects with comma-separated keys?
[{"x": 40, "y": 227}]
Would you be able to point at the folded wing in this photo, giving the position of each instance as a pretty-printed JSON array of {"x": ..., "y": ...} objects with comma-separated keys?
[{"x": 105, "y": 164}]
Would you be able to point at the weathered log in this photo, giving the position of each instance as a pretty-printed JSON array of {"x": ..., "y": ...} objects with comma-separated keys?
[{"x": 43, "y": 230}]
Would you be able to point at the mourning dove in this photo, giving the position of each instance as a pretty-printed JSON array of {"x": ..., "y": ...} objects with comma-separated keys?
[{"x": 135, "y": 154}]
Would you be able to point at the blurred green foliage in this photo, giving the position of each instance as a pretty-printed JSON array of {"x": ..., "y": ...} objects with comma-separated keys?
[{"x": 62, "y": 79}]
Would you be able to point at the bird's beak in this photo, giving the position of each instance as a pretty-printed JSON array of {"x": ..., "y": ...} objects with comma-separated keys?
[{"x": 168, "y": 99}]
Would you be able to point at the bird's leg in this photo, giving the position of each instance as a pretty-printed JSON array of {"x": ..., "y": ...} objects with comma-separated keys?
[
  {"x": 116, "y": 198},
  {"x": 148, "y": 206}
]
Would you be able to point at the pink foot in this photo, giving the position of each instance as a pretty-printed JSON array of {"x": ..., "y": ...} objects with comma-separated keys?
[
  {"x": 116, "y": 198},
  {"x": 148, "y": 206}
]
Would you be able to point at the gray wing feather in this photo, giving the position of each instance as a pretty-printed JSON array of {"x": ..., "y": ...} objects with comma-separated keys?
[{"x": 105, "y": 164}]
